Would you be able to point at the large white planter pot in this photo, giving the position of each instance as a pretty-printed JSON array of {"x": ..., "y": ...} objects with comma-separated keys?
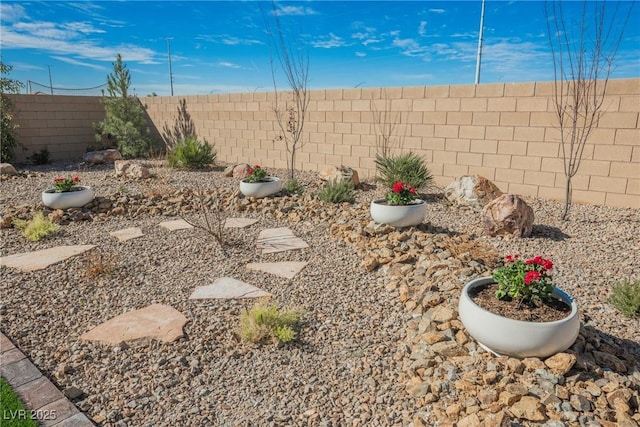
[
  {"x": 517, "y": 338},
  {"x": 69, "y": 199},
  {"x": 398, "y": 216},
  {"x": 261, "y": 189}
]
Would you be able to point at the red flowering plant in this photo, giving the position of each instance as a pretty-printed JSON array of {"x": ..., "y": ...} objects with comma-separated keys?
[
  {"x": 526, "y": 280},
  {"x": 256, "y": 174},
  {"x": 401, "y": 194},
  {"x": 64, "y": 185}
]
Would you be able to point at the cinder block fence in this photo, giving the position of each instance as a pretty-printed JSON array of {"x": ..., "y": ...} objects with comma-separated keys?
[{"x": 506, "y": 132}]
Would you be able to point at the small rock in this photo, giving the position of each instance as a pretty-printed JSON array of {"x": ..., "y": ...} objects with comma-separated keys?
[
  {"x": 72, "y": 392},
  {"x": 561, "y": 363},
  {"x": 508, "y": 215},
  {"x": 528, "y": 408}
]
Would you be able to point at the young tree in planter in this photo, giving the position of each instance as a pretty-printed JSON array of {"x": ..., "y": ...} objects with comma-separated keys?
[
  {"x": 290, "y": 113},
  {"x": 583, "y": 54},
  {"x": 124, "y": 115},
  {"x": 8, "y": 132}
]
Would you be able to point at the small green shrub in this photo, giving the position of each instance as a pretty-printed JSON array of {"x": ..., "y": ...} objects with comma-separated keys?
[
  {"x": 37, "y": 228},
  {"x": 42, "y": 157},
  {"x": 625, "y": 296},
  {"x": 264, "y": 323},
  {"x": 409, "y": 168},
  {"x": 293, "y": 186},
  {"x": 191, "y": 154},
  {"x": 337, "y": 192}
]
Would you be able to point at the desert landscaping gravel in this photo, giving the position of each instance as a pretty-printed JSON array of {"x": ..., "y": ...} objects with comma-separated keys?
[{"x": 349, "y": 365}]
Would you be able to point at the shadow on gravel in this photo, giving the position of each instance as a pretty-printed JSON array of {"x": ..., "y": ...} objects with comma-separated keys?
[
  {"x": 626, "y": 353},
  {"x": 549, "y": 232},
  {"x": 433, "y": 229}
]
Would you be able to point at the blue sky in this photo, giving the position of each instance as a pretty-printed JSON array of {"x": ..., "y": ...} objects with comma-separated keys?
[{"x": 221, "y": 46}]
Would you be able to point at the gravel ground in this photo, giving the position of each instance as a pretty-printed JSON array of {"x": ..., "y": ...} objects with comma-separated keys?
[{"x": 346, "y": 368}]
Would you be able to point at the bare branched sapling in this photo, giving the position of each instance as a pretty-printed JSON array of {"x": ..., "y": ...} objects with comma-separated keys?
[
  {"x": 290, "y": 113},
  {"x": 583, "y": 54}
]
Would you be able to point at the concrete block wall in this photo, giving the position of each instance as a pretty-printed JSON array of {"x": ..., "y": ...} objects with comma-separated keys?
[
  {"x": 505, "y": 132},
  {"x": 62, "y": 124}
]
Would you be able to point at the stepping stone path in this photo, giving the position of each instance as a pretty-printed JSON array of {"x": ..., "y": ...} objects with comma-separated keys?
[
  {"x": 228, "y": 288},
  {"x": 127, "y": 234},
  {"x": 38, "y": 260},
  {"x": 155, "y": 321},
  {"x": 239, "y": 222},
  {"x": 288, "y": 270},
  {"x": 178, "y": 224},
  {"x": 274, "y": 240}
]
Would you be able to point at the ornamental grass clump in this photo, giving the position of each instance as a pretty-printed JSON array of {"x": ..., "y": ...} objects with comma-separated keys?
[
  {"x": 408, "y": 167},
  {"x": 335, "y": 191},
  {"x": 256, "y": 174},
  {"x": 65, "y": 185},
  {"x": 37, "y": 228},
  {"x": 401, "y": 194},
  {"x": 264, "y": 323},
  {"x": 527, "y": 281}
]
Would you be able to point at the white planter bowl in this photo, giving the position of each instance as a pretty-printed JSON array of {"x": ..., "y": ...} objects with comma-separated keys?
[
  {"x": 517, "y": 338},
  {"x": 261, "y": 189},
  {"x": 398, "y": 216},
  {"x": 69, "y": 199}
]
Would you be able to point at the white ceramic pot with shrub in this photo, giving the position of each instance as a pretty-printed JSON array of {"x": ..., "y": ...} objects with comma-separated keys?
[
  {"x": 524, "y": 283},
  {"x": 258, "y": 184},
  {"x": 400, "y": 208},
  {"x": 67, "y": 193}
]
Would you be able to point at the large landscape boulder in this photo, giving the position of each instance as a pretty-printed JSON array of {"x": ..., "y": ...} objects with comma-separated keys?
[
  {"x": 472, "y": 191},
  {"x": 240, "y": 171},
  {"x": 340, "y": 174},
  {"x": 101, "y": 157},
  {"x": 131, "y": 169},
  {"x": 7, "y": 169},
  {"x": 508, "y": 215}
]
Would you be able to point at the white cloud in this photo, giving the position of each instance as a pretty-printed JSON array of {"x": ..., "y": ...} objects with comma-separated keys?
[
  {"x": 226, "y": 64},
  {"x": 361, "y": 54},
  {"x": 228, "y": 40},
  {"x": 11, "y": 12},
  {"x": 437, "y": 10},
  {"x": 329, "y": 42},
  {"x": 422, "y": 28},
  {"x": 80, "y": 63},
  {"x": 410, "y": 47},
  {"x": 295, "y": 11}
]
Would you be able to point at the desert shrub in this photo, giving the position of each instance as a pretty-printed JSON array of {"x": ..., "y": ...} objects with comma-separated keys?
[
  {"x": 263, "y": 323},
  {"x": 625, "y": 296},
  {"x": 37, "y": 228},
  {"x": 190, "y": 153},
  {"x": 409, "y": 168},
  {"x": 9, "y": 128},
  {"x": 42, "y": 157},
  {"x": 99, "y": 264},
  {"x": 337, "y": 192},
  {"x": 293, "y": 186}
]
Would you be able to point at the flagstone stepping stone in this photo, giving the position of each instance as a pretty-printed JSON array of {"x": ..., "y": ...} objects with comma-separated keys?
[
  {"x": 288, "y": 270},
  {"x": 178, "y": 224},
  {"x": 239, "y": 222},
  {"x": 38, "y": 260},
  {"x": 157, "y": 321},
  {"x": 274, "y": 240},
  {"x": 228, "y": 288},
  {"x": 127, "y": 233}
]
